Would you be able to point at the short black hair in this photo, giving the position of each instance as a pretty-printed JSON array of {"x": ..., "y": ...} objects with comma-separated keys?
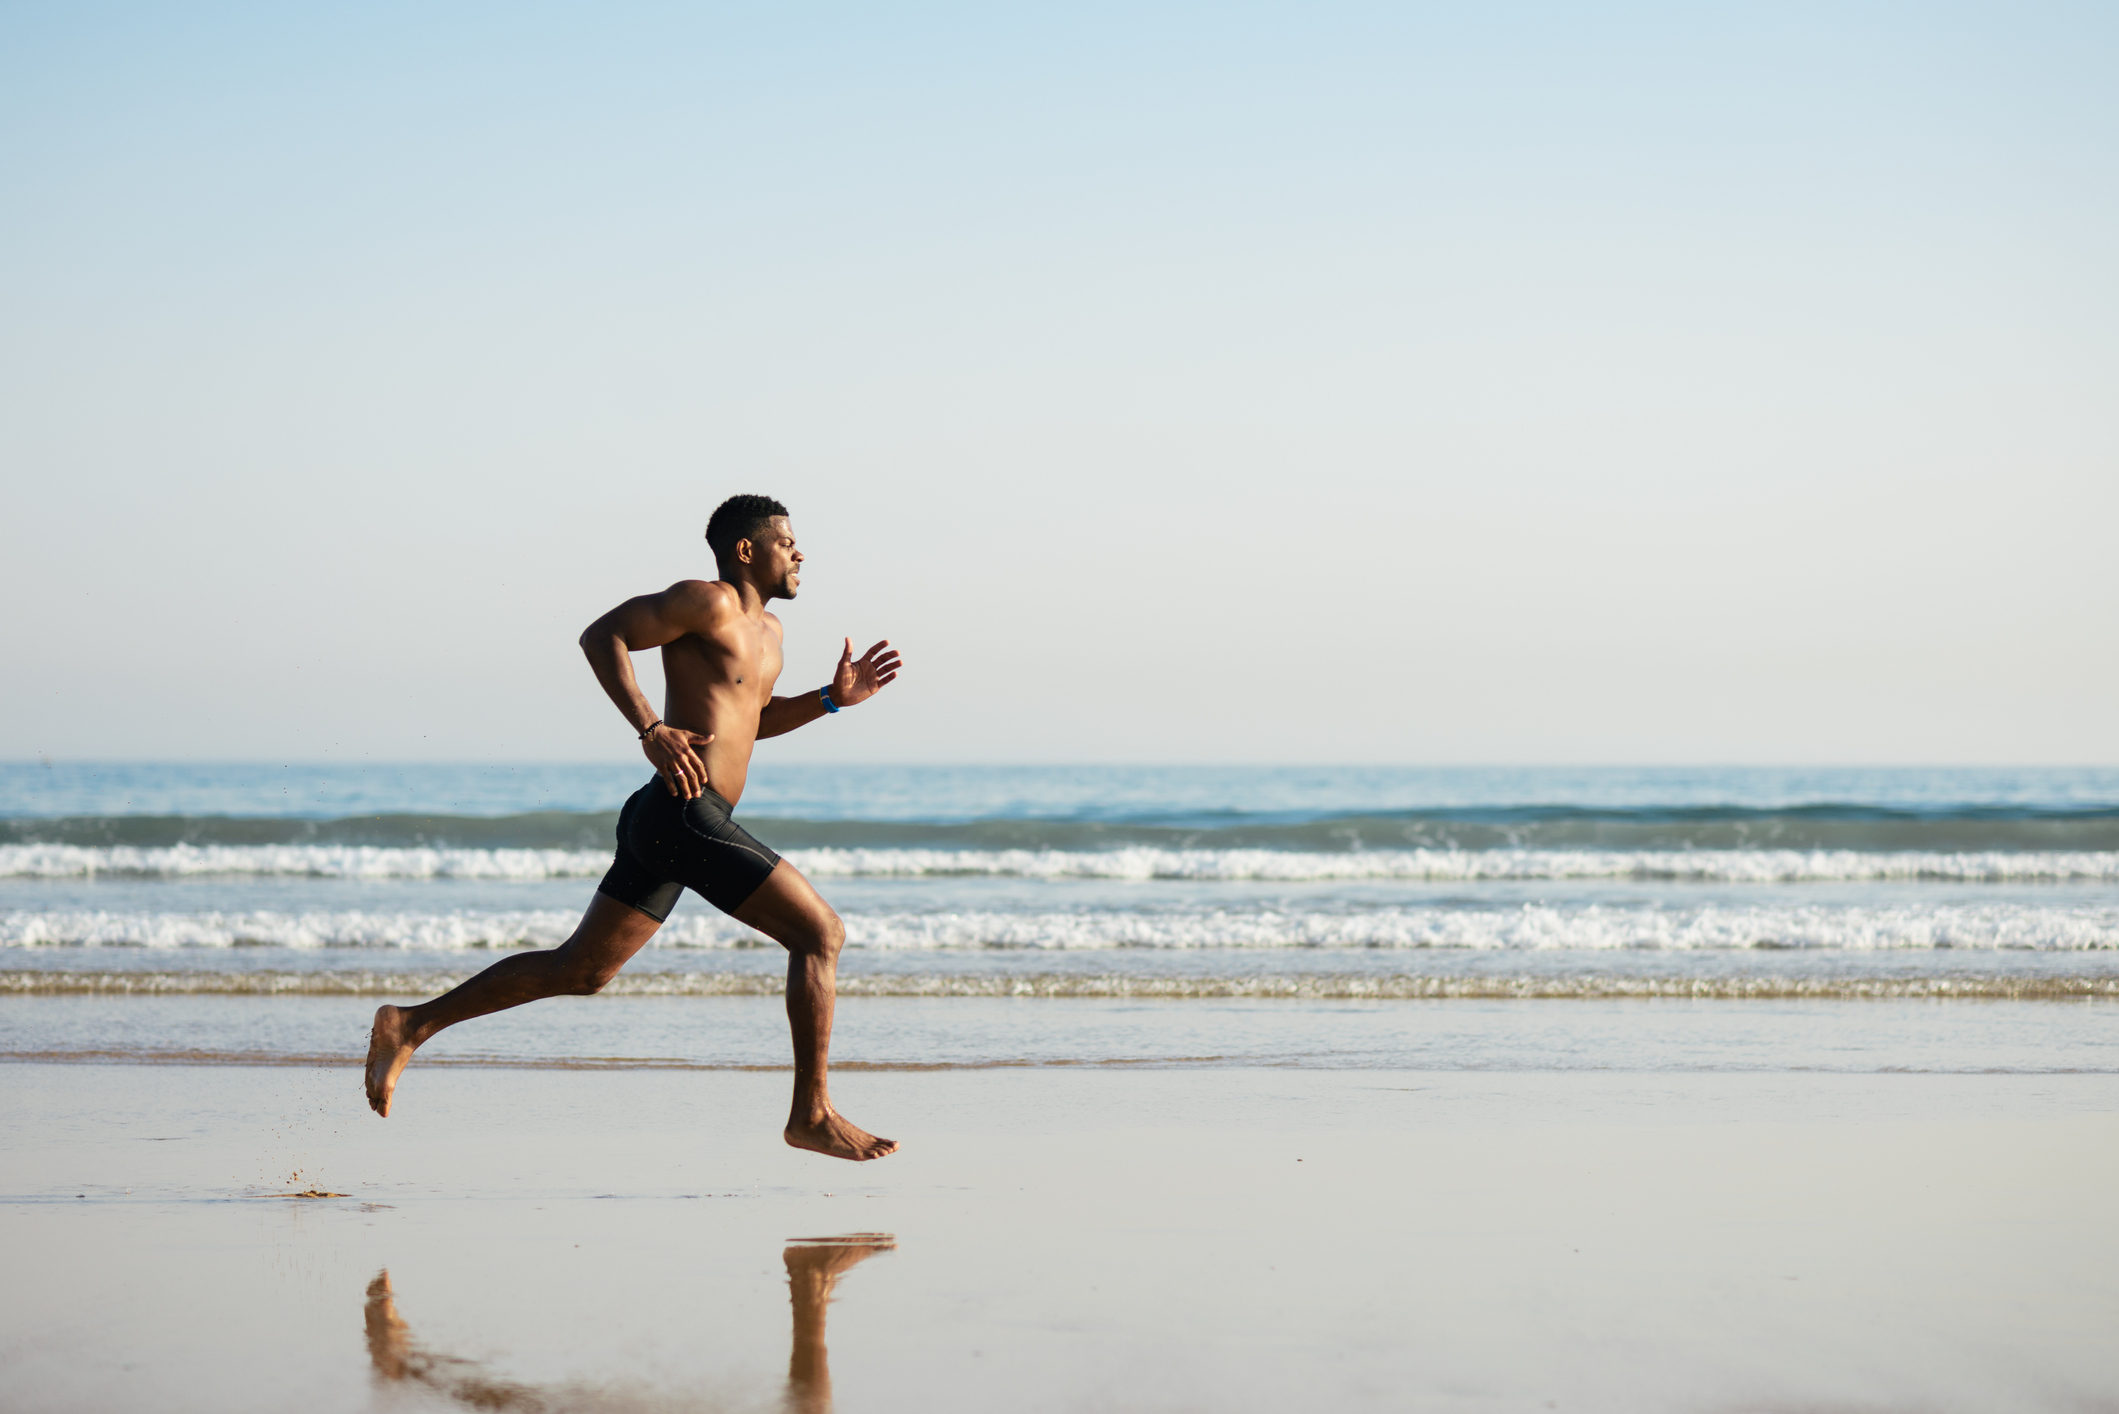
[{"x": 739, "y": 518}]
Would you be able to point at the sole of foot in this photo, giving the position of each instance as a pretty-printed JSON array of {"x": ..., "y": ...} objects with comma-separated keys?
[{"x": 387, "y": 1057}]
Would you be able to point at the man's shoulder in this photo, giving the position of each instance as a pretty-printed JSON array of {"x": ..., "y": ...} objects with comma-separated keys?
[
  {"x": 717, "y": 593},
  {"x": 700, "y": 604}
]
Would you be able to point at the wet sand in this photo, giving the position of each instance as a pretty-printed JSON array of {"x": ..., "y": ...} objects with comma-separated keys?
[{"x": 1058, "y": 1239}]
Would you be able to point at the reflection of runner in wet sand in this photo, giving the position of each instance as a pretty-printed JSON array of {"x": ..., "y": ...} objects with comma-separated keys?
[
  {"x": 814, "y": 1266},
  {"x": 396, "y": 1356},
  {"x": 720, "y": 660}
]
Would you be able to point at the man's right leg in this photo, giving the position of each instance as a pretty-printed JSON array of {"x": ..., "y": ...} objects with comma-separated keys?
[
  {"x": 790, "y": 912},
  {"x": 608, "y": 936}
]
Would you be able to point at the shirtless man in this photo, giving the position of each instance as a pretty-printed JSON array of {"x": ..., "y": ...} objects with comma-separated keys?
[{"x": 720, "y": 658}]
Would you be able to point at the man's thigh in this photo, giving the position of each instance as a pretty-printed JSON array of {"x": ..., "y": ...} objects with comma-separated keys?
[{"x": 610, "y": 933}]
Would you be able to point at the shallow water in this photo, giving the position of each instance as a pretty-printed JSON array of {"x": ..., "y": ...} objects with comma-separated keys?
[
  {"x": 1299, "y": 887},
  {"x": 958, "y": 1032}
]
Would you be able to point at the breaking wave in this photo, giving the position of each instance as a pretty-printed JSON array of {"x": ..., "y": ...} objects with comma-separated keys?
[
  {"x": 1961, "y": 925},
  {"x": 1322, "y": 986},
  {"x": 66, "y": 861}
]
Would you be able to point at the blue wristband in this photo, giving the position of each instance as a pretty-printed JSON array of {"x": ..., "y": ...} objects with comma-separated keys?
[{"x": 829, "y": 705}]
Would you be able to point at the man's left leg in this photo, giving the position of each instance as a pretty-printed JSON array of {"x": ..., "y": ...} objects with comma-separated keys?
[
  {"x": 790, "y": 912},
  {"x": 606, "y": 939}
]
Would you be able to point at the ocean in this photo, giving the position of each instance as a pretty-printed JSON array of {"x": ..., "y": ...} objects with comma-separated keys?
[{"x": 1610, "y": 918}]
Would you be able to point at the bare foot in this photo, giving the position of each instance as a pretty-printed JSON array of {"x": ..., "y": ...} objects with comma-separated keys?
[
  {"x": 389, "y": 1342},
  {"x": 834, "y": 1137},
  {"x": 388, "y": 1053},
  {"x": 822, "y": 1258}
]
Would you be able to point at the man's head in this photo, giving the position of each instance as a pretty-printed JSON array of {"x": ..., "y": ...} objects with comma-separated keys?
[{"x": 752, "y": 540}]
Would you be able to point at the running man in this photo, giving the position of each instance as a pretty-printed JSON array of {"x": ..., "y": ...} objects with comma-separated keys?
[{"x": 720, "y": 658}]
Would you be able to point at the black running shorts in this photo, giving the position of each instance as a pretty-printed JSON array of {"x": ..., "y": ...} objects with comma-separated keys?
[{"x": 667, "y": 845}]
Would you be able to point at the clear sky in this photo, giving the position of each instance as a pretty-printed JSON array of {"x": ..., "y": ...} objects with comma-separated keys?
[{"x": 1290, "y": 382}]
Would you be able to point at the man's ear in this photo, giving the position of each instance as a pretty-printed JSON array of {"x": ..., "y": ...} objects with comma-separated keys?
[{"x": 743, "y": 552}]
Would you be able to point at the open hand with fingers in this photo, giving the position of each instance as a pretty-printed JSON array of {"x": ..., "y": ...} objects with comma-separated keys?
[
  {"x": 671, "y": 751},
  {"x": 858, "y": 679}
]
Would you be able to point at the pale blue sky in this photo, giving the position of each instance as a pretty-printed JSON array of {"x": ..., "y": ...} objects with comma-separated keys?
[{"x": 1327, "y": 382}]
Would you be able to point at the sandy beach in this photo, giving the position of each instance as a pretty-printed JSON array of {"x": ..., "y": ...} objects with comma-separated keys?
[
  {"x": 1422, "y": 694},
  {"x": 1057, "y": 1238}
]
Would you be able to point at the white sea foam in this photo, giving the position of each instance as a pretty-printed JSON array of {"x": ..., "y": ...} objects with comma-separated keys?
[
  {"x": 1717, "y": 866},
  {"x": 1960, "y": 925},
  {"x": 351, "y": 928},
  {"x": 1277, "y": 985},
  {"x": 63, "y": 861},
  {"x": 54, "y": 861}
]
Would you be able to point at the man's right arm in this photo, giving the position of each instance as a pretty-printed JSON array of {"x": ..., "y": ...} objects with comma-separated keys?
[{"x": 649, "y": 621}]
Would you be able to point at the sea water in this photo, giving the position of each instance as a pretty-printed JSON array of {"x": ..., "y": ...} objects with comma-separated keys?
[{"x": 1642, "y": 918}]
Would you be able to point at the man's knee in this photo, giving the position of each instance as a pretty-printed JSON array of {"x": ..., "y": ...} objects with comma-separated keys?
[
  {"x": 589, "y": 983},
  {"x": 585, "y": 977},
  {"x": 824, "y": 937}
]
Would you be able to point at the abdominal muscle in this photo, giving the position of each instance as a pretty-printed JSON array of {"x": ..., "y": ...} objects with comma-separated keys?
[{"x": 728, "y": 761}]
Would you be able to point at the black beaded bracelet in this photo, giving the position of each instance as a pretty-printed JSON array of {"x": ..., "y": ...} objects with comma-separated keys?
[{"x": 650, "y": 729}]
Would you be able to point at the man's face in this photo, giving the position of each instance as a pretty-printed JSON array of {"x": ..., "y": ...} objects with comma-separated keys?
[{"x": 778, "y": 562}]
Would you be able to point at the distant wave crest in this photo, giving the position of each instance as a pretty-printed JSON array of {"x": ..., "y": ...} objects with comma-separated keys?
[{"x": 1869, "y": 829}]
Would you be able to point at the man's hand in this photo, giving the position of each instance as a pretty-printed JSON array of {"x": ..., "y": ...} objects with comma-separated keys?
[
  {"x": 857, "y": 680},
  {"x": 669, "y": 751}
]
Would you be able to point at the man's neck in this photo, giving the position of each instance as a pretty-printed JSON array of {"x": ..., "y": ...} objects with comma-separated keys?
[{"x": 751, "y": 597}]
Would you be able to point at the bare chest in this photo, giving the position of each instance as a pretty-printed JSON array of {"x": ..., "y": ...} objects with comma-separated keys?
[{"x": 744, "y": 658}]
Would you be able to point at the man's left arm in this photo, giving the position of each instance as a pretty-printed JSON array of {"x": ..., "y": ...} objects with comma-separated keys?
[{"x": 854, "y": 680}]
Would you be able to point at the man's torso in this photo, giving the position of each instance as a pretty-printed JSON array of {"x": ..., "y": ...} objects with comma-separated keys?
[{"x": 718, "y": 682}]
